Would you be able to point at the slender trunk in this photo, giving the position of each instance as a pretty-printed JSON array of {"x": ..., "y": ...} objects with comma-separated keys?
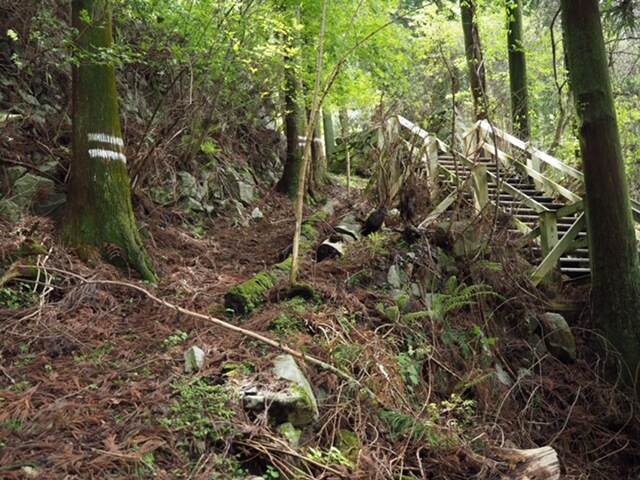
[
  {"x": 306, "y": 157},
  {"x": 329, "y": 136},
  {"x": 319, "y": 156},
  {"x": 344, "y": 132},
  {"x": 517, "y": 70},
  {"x": 475, "y": 62},
  {"x": 615, "y": 290},
  {"x": 562, "y": 120},
  {"x": 99, "y": 215}
]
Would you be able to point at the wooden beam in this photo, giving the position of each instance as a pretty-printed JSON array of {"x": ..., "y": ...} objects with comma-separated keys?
[{"x": 551, "y": 259}]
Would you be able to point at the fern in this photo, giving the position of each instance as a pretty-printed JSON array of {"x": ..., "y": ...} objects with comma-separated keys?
[
  {"x": 459, "y": 338},
  {"x": 418, "y": 430},
  {"x": 457, "y": 296},
  {"x": 454, "y": 297},
  {"x": 489, "y": 266},
  {"x": 410, "y": 317}
]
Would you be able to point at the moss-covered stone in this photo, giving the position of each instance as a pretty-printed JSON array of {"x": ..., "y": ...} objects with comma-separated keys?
[
  {"x": 245, "y": 297},
  {"x": 349, "y": 444},
  {"x": 291, "y": 433}
]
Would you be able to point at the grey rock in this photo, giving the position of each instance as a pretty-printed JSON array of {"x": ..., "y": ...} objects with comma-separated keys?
[
  {"x": 51, "y": 167},
  {"x": 193, "y": 359},
  {"x": 9, "y": 210},
  {"x": 192, "y": 205},
  {"x": 502, "y": 376},
  {"x": 286, "y": 367},
  {"x": 396, "y": 278},
  {"x": 558, "y": 337},
  {"x": 26, "y": 188},
  {"x": 294, "y": 403},
  {"x": 257, "y": 214},
  {"x": 245, "y": 192},
  {"x": 190, "y": 187},
  {"x": 240, "y": 188},
  {"x": 14, "y": 173}
]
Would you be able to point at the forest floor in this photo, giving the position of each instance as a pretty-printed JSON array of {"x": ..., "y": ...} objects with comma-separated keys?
[{"x": 92, "y": 381}]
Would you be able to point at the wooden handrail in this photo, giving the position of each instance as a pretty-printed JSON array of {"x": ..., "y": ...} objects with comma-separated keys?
[
  {"x": 482, "y": 137},
  {"x": 486, "y": 127},
  {"x": 416, "y": 130},
  {"x": 528, "y": 150},
  {"x": 537, "y": 176}
]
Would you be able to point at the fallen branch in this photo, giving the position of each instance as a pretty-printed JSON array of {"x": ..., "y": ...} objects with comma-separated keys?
[{"x": 228, "y": 326}]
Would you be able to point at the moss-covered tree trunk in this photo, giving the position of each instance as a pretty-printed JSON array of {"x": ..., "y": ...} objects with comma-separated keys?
[
  {"x": 288, "y": 183},
  {"x": 615, "y": 291},
  {"x": 245, "y": 297},
  {"x": 473, "y": 52},
  {"x": 517, "y": 70},
  {"x": 99, "y": 214}
]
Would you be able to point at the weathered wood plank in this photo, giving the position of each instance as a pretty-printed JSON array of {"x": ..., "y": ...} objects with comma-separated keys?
[{"x": 531, "y": 464}]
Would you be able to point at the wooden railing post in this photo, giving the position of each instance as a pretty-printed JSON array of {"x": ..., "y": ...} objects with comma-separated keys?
[
  {"x": 480, "y": 186},
  {"x": 432, "y": 156},
  {"x": 473, "y": 140},
  {"x": 533, "y": 162},
  {"x": 548, "y": 231},
  {"x": 388, "y": 132},
  {"x": 469, "y": 143}
]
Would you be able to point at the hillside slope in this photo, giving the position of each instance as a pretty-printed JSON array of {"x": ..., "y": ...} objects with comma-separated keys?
[{"x": 93, "y": 386}]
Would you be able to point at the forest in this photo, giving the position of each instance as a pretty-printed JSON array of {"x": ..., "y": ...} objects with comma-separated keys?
[{"x": 319, "y": 239}]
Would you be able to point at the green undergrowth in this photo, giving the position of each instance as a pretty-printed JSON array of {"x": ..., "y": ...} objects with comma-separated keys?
[
  {"x": 202, "y": 411},
  {"x": 426, "y": 355}
]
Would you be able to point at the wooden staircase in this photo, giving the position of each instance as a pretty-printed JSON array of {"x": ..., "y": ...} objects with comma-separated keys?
[
  {"x": 509, "y": 198},
  {"x": 528, "y": 184}
]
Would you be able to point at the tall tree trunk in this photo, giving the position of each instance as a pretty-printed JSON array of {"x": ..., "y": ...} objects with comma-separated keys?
[
  {"x": 319, "y": 158},
  {"x": 615, "y": 289},
  {"x": 288, "y": 183},
  {"x": 329, "y": 136},
  {"x": 475, "y": 62},
  {"x": 344, "y": 133},
  {"x": 316, "y": 105},
  {"x": 99, "y": 213},
  {"x": 517, "y": 70}
]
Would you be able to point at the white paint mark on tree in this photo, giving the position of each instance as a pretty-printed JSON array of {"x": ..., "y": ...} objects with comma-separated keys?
[
  {"x": 104, "y": 154},
  {"x": 105, "y": 138},
  {"x": 110, "y": 147}
]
